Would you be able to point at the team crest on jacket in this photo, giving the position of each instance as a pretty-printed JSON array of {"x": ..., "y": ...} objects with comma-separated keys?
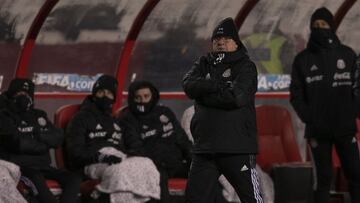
[
  {"x": 340, "y": 64},
  {"x": 164, "y": 119},
  {"x": 42, "y": 121},
  {"x": 117, "y": 127},
  {"x": 227, "y": 73}
]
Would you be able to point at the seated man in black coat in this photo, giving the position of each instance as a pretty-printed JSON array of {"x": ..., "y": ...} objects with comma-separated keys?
[
  {"x": 96, "y": 142},
  {"x": 26, "y": 135},
  {"x": 163, "y": 139}
]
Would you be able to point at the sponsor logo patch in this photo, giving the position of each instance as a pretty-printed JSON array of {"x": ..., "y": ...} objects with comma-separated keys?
[
  {"x": 116, "y": 127},
  {"x": 164, "y": 119},
  {"x": 314, "y": 68},
  {"x": 42, "y": 121},
  {"x": 340, "y": 64},
  {"x": 227, "y": 73},
  {"x": 244, "y": 168}
]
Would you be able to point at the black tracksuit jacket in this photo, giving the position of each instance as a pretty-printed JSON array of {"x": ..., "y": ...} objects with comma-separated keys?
[
  {"x": 163, "y": 139},
  {"x": 223, "y": 86},
  {"x": 90, "y": 130},
  {"x": 324, "y": 90},
  {"x": 26, "y": 137}
]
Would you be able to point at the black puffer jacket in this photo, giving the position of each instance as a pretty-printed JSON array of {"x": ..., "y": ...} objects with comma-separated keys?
[
  {"x": 90, "y": 130},
  {"x": 323, "y": 89},
  {"x": 27, "y": 137},
  {"x": 223, "y": 86},
  {"x": 164, "y": 140}
]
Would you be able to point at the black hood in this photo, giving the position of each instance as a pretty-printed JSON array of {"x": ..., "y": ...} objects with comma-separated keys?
[
  {"x": 321, "y": 38},
  {"x": 89, "y": 105},
  {"x": 20, "y": 84},
  {"x": 323, "y": 14},
  {"x": 139, "y": 85}
]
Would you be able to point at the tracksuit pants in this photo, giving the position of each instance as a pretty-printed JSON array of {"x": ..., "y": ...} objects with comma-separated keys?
[
  {"x": 348, "y": 152},
  {"x": 239, "y": 170},
  {"x": 70, "y": 184}
]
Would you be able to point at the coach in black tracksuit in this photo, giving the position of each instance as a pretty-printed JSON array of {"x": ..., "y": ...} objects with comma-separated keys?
[
  {"x": 163, "y": 139},
  {"x": 94, "y": 128},
  {"x": 26, "y": 137},
  {"x": 323, "y": 92},
  {"x": 223, "y": 85}
]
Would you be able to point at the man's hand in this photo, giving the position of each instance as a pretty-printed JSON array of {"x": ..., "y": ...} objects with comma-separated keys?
[{"x": 108, "y": 159}]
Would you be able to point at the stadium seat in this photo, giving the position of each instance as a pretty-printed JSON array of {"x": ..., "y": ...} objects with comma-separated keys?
[
  {"x": 277, "y": 143},
  {"x": 62, "y": 116}
]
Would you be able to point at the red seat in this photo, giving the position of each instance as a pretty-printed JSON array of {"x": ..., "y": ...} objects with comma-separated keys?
[
  {"x": 62, "y": 117},
  {"x": 277, "y": 144}
]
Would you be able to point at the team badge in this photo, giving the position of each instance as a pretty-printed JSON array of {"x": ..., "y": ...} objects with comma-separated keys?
[
  {"x": 42, "y": 121},
  {"x": 117, "y": 127},
  {"x": 341, "y": 64},
  {"x": 227, "y": 73},
  {"x": 164, "y": 119}
]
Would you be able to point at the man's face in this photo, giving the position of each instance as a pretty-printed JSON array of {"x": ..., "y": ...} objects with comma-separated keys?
[
  {"x": 225, "y": 44},
  {"x": 319, "y": 23},
  {"x": 143, "y": 95},
  {"x": 104, "y": 93}
]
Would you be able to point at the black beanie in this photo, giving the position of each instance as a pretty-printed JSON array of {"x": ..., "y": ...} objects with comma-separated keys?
[
  {"x": 105, "y": 82},
  {"x": 20, "y": 84},
  {"x": 227, "y": 28},
  {"x": 323, "y": 14}
]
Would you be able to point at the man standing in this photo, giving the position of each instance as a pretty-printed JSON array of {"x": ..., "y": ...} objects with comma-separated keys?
[
  {"x": 323, "y": 92},
  {"x": 223, "y": 85}
]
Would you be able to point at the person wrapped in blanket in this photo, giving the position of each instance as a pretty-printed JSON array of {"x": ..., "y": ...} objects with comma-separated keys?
[
  {"x": 26, "y": 135},
  {"x": 103, "y": 148},
  {"x": 163, "y": 139}
]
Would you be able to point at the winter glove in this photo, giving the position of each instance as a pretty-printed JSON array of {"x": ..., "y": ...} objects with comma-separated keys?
[{"x": 108, "y": 159}]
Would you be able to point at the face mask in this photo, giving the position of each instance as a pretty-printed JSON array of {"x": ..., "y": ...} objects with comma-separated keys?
[
  {"x": 323, "y": 37},
  {"x": 143, "y": 108},
  {"x": 104, "y": 103},
  {"x": 23, "y": 102}
]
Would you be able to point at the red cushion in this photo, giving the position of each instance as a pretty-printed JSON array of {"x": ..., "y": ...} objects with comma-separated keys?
[
  {"x": 177, "y": 183},
  {"x": 277, "y": 143},
  {"x": 53, "y": 184}
]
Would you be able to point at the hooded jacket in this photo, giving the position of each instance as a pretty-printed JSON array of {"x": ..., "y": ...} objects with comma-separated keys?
[
  {"x": 323, "y": 89},
  {"x": 223, "y": 86},
  {"x": 26, "y": 137},
  {"x": 92, "y": 129},
  {"x": 164, "y": 140}
]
